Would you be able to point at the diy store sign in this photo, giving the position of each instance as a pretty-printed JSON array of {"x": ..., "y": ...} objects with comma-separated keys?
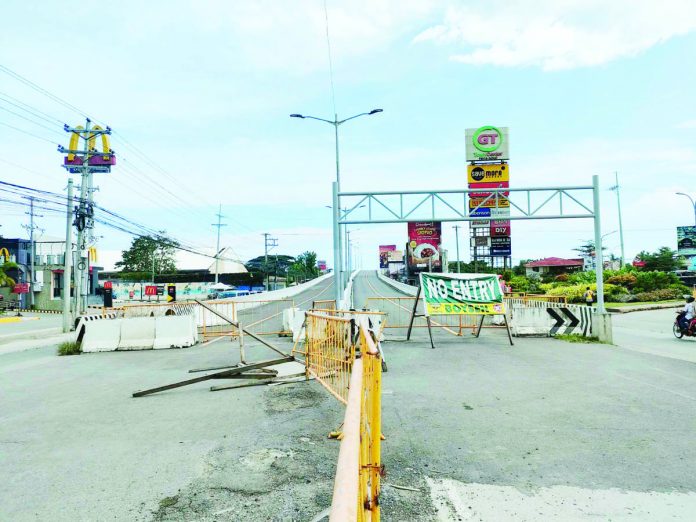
[
  {"x": 500, "y": 228},
  {"x": 488, "y": 173},
  {"x": 461, "y": 294},
  {"x": 487, "y": 143}
]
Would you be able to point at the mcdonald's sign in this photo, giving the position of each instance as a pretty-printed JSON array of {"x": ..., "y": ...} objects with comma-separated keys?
[
  {"x": 92, "y": 253},
  {"x": 96, "y": 162},
  {"x": 5, "y": 254}
]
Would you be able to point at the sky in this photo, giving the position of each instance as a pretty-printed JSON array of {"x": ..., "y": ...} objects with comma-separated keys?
[{"x": 199, "y": 96}]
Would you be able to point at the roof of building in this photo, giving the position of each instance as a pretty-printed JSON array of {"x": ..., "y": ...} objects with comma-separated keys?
[{"x": 554, "y": 261}]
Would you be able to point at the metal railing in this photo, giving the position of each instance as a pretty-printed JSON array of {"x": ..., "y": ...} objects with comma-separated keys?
[
  {"x": 359, "y": 470},
  {"x": 324, "y": 304},
  {"x": 330, "y": 351}
]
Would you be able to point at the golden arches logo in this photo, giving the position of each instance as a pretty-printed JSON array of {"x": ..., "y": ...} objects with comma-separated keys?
[
  {"x": 74, "y": 141},
  {"x": 92, "y": 142},
  {"x": 92, "y": 253},
  {"x": 5, "y": 254}
]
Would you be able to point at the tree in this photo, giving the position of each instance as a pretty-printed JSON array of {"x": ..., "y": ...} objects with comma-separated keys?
[
  {"x": 304, "y": 267},
  {"x": 587, "y": 249},
  {"x": 148, "y": 249},
  {"x": 277, "y": 264},
  {"x": 6, "y": 280},
  {"x": 663, "y": 260}
]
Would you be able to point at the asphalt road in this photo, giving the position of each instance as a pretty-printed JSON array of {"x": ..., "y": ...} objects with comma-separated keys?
[{"x": 543, "y": 430}]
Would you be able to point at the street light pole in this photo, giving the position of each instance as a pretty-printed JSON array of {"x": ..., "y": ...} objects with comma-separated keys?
[
  {"x": 338, "y": 239},
  {"x": 693, "y": 203},
  {"x": 456, "y": 235},
  {"x": 618, "y": 204}
]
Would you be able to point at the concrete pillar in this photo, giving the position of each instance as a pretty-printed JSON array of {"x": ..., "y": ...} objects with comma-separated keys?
[{"x": 601, "y": 327}]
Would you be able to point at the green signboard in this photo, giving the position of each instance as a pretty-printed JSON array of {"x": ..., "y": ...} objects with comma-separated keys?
[{"x": 461, "y": 294}]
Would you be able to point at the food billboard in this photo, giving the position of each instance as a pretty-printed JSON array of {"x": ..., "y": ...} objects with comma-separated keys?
[
  {"x": 424, "y": 246},
  {"x": 686, "y": 241},
  {"x": 384, "y": 255}
]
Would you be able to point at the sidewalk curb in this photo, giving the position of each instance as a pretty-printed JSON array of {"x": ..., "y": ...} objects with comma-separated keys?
[{"x": 629, "y": 309}]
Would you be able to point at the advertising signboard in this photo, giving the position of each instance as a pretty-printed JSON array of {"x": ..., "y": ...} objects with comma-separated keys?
[
  {"x": 480, "y": 223},
  {"x": 480, "y": 212},
  {"x": 487, "y": 143},
  {"x": 396, "y": 256},
  {"x": 321, "y": 265},
  {"x": 487, "y": 187},
  {"x": 493, "y": 202},
  {"x": 384, "y": 251},
  {"x": 488, "y": 173},
  {"x": 500, "y": 228},
  {"x": 461, "y": 294},
  {"x": 21, "y": 288},
  {"x": 500, "y": 213},
  {"x": 424, "y": 245},
  {"x": 151, "y": 290},
  {"x": 480, "y": 241},
  {"x": 686, "y": 241},
  {"x": 501, "y": 246}
]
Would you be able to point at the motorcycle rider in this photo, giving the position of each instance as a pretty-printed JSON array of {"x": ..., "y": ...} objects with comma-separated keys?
[{"x": 689, "y": 312}]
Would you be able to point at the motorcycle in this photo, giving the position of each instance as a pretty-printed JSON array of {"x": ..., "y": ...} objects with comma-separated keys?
[{"x": 679, "y": 332}]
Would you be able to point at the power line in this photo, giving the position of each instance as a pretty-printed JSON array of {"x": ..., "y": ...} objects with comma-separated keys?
[{"x": 28, "y": 133}]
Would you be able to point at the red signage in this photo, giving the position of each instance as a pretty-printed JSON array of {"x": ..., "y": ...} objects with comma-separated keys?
[
  {"x": 500, "y": 228},
  {"x": 108, "y": 285},
  {"x": 150, "y": 290},
  {"x": 21, "y": 288},
  {"x": 488, "y": 186}
]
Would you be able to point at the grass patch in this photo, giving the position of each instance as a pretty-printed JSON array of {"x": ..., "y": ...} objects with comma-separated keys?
[
  {"x": 69, "y": 348},
  {"x": 576, "y": 338},
  {"x": 167, "y": 502},
  {"x": 639, "y": 303}
]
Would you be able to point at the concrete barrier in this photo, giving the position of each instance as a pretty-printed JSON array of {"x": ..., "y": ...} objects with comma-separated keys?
[
  {"x": 137, "y": 333},
  {"x": 175, "y": 332},
  {"x": 548, "y": 321},
  {"x": 401, "y": 287},
  {"x": 100, "y": 336}
]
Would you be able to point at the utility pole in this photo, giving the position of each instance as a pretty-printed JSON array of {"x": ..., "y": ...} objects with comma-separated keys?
[
  {"x": 32, "y": 265},
  {"x": 79, "y": 161},
  {"x": 456, "y": 235},
  {"x": 618, "y": 204},
  {"x": 219, "y": 224},
  {"x": 268, "y": 242},
  {"x": 67, "y": 262}
]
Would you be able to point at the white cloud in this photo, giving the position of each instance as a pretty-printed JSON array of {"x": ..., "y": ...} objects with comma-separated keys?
[{"x": 556, "y": 35}]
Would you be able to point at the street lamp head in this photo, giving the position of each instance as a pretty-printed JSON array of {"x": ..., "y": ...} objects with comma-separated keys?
[
  {"x": 375, "y": 111},
  {"x": 296, "y": 116}
]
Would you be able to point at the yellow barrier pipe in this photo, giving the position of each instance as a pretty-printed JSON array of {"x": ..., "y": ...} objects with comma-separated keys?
[{"x": 344, "y": 505}]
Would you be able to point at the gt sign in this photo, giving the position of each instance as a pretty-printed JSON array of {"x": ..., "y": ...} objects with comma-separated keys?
[
  {"x": 487, "y": 143},
  {"x": 488, "y": 173}
]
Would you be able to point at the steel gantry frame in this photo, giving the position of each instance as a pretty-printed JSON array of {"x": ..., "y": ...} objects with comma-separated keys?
[{"x": 439, "y": 205}]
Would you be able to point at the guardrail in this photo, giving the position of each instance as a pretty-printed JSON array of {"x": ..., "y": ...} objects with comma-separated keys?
[{"x": 359, "y": 469}]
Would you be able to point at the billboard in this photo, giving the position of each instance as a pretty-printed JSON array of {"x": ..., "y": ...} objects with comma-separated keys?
[
  {"x": 500, "y": 228},
  {"x": 321, "y": 265},
  {"x": 480, "y": 241},
  {"x": 686, "y": 241},
  {"x": 461, "y": 294},
  {"x": 384, "y": 251},
  {"x": 486, "y": 189},
  {"x": 424, "y": 246},
  {"x": 488, "y": 174},
  {"x": 501, "y": 246},
  {"x": 487, "y": 143},
  {"x": 480, "y": 223},
  {"x": 493, "y": 202}
]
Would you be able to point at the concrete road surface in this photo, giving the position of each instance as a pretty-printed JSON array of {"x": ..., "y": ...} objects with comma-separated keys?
[{"x": 543, "y": 430}]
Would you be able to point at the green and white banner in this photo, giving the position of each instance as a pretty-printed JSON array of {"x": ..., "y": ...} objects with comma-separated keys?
[{"x": 461, "y": 294}]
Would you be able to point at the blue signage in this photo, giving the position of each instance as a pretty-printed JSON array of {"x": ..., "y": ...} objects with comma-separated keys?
[{"x": 480, "y": 212}]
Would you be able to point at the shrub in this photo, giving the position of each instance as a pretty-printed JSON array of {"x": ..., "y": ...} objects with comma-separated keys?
[
  {"x": 582, "y": 278},
  {"x": 574, "y": 293},
  {"x": 561, "y": 277},
  {"x": 622, "y": 279},
  {"x": 663, "y": 294},
  {"x": 69, "y": 348},
  {"x": 649, "y": 281}
]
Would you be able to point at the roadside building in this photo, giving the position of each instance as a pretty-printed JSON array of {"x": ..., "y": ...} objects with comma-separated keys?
[
  {"x": 49, "y": 280},
  {"x": 552, "y": 266}
]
